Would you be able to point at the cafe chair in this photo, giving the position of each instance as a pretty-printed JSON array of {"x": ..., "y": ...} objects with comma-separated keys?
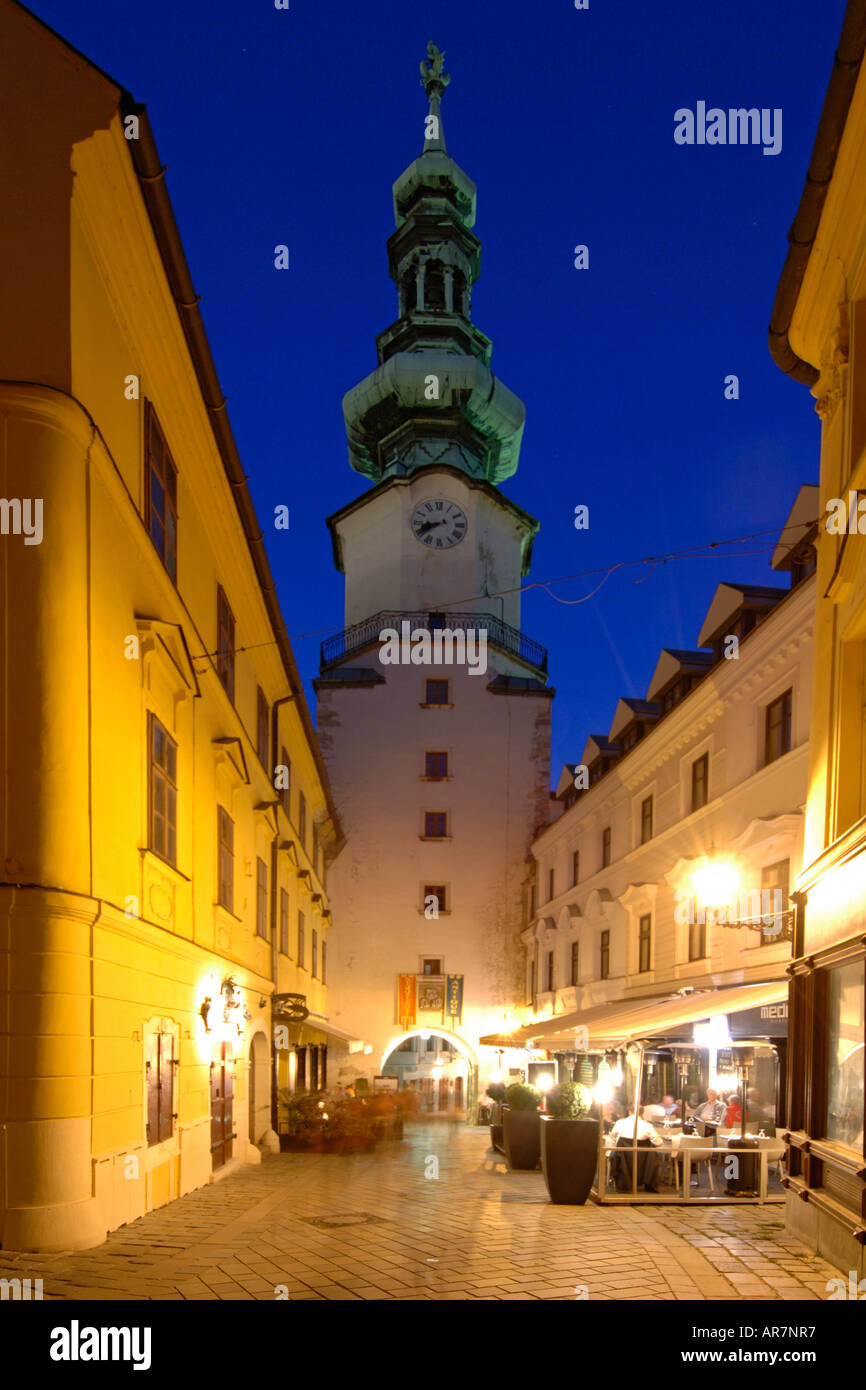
[{"x": 694, "y": 1141}]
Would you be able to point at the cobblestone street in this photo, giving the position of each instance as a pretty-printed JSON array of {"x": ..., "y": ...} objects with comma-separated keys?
[{"x": 374, "y": 1227}]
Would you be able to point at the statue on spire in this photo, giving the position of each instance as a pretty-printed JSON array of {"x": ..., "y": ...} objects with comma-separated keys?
[{"x": 433, "y": 79}]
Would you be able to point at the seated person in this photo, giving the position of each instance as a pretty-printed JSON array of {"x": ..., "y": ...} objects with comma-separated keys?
[
  {"x": 711, "y": 1114},
  {"x": 671, "y": 1107},
  {"x": 654, "y": 1114},
  {"x": 734, "y": 1112},
  {"x": 625, "y": 1133}
]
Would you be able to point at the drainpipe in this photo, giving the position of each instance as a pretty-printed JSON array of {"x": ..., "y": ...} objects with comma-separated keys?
[{"x": 275, "y": 754}]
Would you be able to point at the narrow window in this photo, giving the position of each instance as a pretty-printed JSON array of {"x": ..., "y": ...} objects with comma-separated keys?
[
  {"x": 777, "y": 738},
  {"x": 575, "y": 962},
  {"x": 226, "y": 839},
  {"x": 646, "y": 820},
  {"x": 431, "y": 965},
  {"x": 436, "y": 693},
  {"x": 774, "y": 900},
  {"x": 644, "y": 938},
  {"x": 604, "y": 961},
  {"x": 435, "y": 825},
  {"x": 532, "y": 982},
  {"x": 697, "y": 940},
  {"x": 286, "y": 791},
  {"x": 575, "y": 868},
  {"x": 531, "y": 901},
  {"x": 225, "y": 644},
  {"x": 314, "y": 970},
  {"x": 324, "y": 962},
  {"x": 605, "y": 847},
  {"x": 551, "y": 880},
  {"x": 163, "y": 792},
  {"x": 263, "y": 714},
  {"x": 700, "y": 784},
  {"x": 437, "y": 892},
  {"x": 301, "y": 942},
  {"x": 261, "y": 898},
  {"x": 302, "y": 819},
  {"x": 435, "y": 764},
  {"x": 284, "y": 922},
  {"x": 549, "y": 981},
  {"x": 161, "y": 495}
]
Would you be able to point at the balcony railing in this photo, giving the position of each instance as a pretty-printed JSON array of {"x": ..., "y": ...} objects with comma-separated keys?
[{"x": 499, "y": 634}]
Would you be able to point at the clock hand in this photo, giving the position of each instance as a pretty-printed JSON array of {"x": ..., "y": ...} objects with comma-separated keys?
[{"x": 428, "y": 526}]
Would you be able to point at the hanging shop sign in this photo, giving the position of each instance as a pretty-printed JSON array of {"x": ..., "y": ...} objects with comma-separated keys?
[
  {"x": 291, "y": 1007},
  {"x": 454, "y": 998},
  {"x": 407, "y": 993}
]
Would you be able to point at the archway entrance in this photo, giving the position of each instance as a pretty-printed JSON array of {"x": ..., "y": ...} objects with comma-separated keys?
[
  {"x": 260, "y": 1088},
  {"x": 440, "y": 1066}
]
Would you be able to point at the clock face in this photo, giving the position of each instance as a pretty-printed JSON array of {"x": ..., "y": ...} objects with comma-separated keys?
[{"x": 438, "y": 523}]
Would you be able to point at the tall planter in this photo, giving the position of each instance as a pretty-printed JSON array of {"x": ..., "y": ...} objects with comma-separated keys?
[
  {"x": 522, "y": 1138},
  {"x": 569, "y": 1154}
]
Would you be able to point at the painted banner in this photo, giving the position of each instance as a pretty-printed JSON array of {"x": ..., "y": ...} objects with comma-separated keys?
[
  {"x": 406, "y": 996},
  {"x": 454, "y": 1004}
]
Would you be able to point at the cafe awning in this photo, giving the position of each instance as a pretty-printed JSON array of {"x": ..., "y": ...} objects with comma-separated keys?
[{"x": 626, "y": 1020}]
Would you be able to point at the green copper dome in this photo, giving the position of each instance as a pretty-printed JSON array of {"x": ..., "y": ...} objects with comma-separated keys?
[{"x": 433, "y": 399}]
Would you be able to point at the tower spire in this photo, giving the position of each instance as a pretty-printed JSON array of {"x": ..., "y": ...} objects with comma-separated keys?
[{"x": 434, "y": 81}]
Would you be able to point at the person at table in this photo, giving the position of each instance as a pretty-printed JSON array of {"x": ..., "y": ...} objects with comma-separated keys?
[
  {"x": 712, "y": 1113},
  {"x": 624, "y": 1133},
  {"x": 734, "y": 1112},
  {"x": 671, "y": 1107}
]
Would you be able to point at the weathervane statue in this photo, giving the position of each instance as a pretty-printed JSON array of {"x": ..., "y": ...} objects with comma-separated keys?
[{"x": 433, "y": 79}]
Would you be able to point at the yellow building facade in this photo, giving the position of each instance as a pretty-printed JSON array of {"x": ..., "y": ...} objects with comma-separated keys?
[
  {"x": 164, "y": 811},
  {"x": 818, "y": 336}
]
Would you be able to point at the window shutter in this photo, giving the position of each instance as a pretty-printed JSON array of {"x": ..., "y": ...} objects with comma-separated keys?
[{"x": 153, "y": 1088}]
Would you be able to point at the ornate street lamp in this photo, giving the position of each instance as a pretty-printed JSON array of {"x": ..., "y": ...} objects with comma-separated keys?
[{"x": 716, "y": 884}]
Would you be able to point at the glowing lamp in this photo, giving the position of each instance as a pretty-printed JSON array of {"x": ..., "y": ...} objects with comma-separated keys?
[
  {"x": 716, "y": 883},
  {"x": 544, "y": 1081}
]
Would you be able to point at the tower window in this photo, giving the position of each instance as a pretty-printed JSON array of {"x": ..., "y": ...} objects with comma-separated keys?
[
  {"x": 435, "y": 825},
  {"x": 436, "y": 693},
  {"x": 435, "y": 764},
  {"x": 410, "y": 291},
  {"x": 434, "y": 286}
]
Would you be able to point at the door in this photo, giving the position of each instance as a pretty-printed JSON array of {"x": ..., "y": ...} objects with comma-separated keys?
[
  {"x": 222, "y": 1087},
  {"x": 458, "y": 1093}
]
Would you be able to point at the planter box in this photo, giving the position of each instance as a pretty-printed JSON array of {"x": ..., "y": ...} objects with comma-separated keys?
[
  {"x": 522, "y": 1139},
  {"x": 496, "y": 1138},
  {"x": 569, "y": 1154}
]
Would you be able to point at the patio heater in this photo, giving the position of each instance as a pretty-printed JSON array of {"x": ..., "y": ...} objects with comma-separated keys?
[{"x": 746, "y": 1179}]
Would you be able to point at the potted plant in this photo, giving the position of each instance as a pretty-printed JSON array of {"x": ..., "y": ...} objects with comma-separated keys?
[
  {"x": 496, "y": 1092},
  {"x": 521, "y": 1126},
  {"x": 569, "y": 1143}
]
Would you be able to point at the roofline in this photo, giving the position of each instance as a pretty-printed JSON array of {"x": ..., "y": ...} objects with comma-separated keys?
[
  {"x": 804, "y": 229},
  {"x": 151, "y": 177}
]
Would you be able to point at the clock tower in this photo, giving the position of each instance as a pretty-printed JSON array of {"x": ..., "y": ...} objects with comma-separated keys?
[{"x": 441, "y": 779}]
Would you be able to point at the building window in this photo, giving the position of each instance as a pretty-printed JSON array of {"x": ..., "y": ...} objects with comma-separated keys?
[
  {"x": 604, "y": 961},
  {"x": 163, "y": 792},
  {"x": 160, "y": 1087},
  {"x": 774, "y": 900},
  {"x": 605, "y": 847},
  {"x": 431, "y": 965},
  {"x": 532, "y": 982},
  {"x": 286, "y": 791},
  {"x": 302, "y": 950},
  {"x": 845, "y": 1074},
  {"x": 263, "y": 715},
  {"x": 436, "y": 891},
  {"x": 284, "y": 922},
  {"x": 551, "y": 879},
  {"x": 549, "y": 980},
  {"x": 777, "y": 736},
  {"x": 575, "y": 962},
  {"x": 646, "y": 819},
  {"x": 261, "y": 898},
  {"x": 700, "y": 783},
  {"x": 436, "y": 693},
  {"x": 697, "y": 940},
  {"x": 575, "y": 868},
  {"x": 435, "y": 764},
  {"x": 435, "y": 825},
  {"x": 644, "y": 942},
  {"x": 302, "y": 819},
  {"x": 531, "y": 901},
  {"x": 324, "y": 962},
  {"x": 226, "y": 839},
  {"x": 161, "y": 495},
  {"x": 225, "y": 644},
  {"x": 314, "y": 967}
]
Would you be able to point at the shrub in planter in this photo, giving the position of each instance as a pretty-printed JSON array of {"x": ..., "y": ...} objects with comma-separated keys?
[
  {"x": 521, "y": 1126},
  {"x": 569, "y": 1143},
  {"x": 496, "y": 1092}
]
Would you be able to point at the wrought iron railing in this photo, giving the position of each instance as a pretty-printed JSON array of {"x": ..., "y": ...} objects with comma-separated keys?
[{"x": 499, "y": 634}]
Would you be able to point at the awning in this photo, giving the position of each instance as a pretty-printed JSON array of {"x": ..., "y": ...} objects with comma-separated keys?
[
  {"x": 317, "y": 1023},
  {"x": 626, "y": 1020}
]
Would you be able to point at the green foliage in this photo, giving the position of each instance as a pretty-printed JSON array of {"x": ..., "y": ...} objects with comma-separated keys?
[
  {"x": 496, "y": 1090},
  {"x": 521, "y": 1097},
  {"x": 569, "y": 1100}
]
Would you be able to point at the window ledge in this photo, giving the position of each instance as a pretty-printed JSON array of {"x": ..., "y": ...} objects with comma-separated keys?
[
  {"x": 435, "y": 779},
  {"x": 443, "y": 912},
  {"x": 147, "y": 853},
  {"x": 435, "y": 839},
  {"x": 227, "y": 912},
  {"x": 437, "y": 706}
]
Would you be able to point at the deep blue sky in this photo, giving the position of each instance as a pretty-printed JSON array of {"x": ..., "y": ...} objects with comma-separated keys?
[{"x": 290, "y": 127}]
